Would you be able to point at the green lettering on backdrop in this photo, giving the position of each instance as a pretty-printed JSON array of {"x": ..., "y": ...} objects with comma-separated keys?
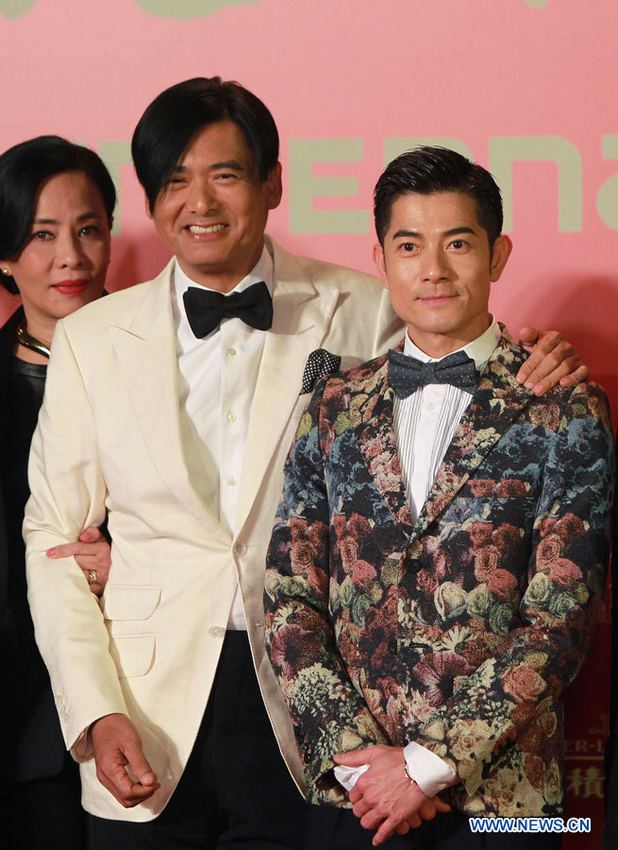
[
  {"x": 607, "y": 198},
  {"x": 305, "y": 186},
  {"x": 15, "y": 8},
  {"x": 116, "y": 154},
  {"x": 399, "y": 144},
  {"x": 182, "y": 9},
  {"x": 504, "y": 151}
]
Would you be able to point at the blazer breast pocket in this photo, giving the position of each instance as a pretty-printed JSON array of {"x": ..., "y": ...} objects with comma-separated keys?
[{"x": 130, "y": 601}]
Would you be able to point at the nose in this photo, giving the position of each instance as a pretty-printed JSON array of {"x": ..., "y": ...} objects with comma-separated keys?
[
  {"x": 69, "y": 250},
  {"x": 202, "y": 198},
  {"x": 435, "y": 267}
]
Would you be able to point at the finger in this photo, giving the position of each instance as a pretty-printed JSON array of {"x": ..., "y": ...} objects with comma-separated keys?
[
  {"x": 440, "y": 805},
  {"x": 354, "y": 758},
  {"x": 528, "y": 336},
  {"x": 576, "y": 377},
  {"x": 385, "y": 831},
  {"x": 403, "y": 828},
  {"x": 96, "y": 587},
  {"x": 355, "y": 794},
  {"x": 549, "y": 381},
  {"x": 561, "y": 358},
  {"x": 544, "y": 347},
  {"x": 138, "y": 764},
  {"x": 68, "y": 550},
  {"x": 427, "y": 810},
  {"x": 361, "y": 808},
  {"x": 414, "y": 821},
  {"x": 92, "y": 534}
]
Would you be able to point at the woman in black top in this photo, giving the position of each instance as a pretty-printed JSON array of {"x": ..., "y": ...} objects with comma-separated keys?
[{"x": 56, "y": 206}]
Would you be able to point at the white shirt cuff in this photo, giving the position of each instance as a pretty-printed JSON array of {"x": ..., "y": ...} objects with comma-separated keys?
[{"x": 430, "y": 773}]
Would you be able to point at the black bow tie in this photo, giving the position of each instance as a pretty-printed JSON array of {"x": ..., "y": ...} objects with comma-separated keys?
[
  {"x": 206, "y": 309},
  {"x": 407, "y": 374}
]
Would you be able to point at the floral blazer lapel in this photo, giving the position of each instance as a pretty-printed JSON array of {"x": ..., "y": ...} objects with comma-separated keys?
[
  {"x": 372, "y": 408},
  {"x": 497, "y": 402}
]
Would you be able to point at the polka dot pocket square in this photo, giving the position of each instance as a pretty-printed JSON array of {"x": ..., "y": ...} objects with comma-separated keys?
[{"x": 319, "y": 363}]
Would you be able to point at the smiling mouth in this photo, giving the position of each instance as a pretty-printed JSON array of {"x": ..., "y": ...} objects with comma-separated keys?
[{"x": 199, "y": 230}]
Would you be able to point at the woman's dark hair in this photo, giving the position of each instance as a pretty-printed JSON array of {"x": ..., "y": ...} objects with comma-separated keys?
[
  {"x": 174, "y": 117},
  {"x": 427, "y": 170},
  {"x": 23, "y": 170}
]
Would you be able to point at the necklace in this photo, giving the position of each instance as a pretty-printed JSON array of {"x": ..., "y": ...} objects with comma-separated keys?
[{"x": 24, "y": 338}]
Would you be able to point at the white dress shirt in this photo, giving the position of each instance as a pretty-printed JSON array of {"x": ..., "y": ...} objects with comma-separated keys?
[
  {"x": 424, "y": 425},
  {"x": 217, "y": 380}
]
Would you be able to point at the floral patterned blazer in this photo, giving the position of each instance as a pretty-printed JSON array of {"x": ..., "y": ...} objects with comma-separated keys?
[{"x": 458, "y": 631}]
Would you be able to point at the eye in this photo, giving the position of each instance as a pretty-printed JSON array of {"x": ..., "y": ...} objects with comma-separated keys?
[
  {"x": 174, "y": 181},
  {"x": 408, "y": 247},
  {"x": 42, "y": 235},
  {"x": 459, "y": 244},
  {"x": 89, "y": 230},
  {"x": 226, "y": 177}
]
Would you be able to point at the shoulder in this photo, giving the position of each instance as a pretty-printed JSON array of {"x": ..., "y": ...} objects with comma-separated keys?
[
  {"x": 354, "y": 389},
  {"x": 9, "y": 328},
  {"x": 322, "y": 273},
  {"x": 117, "y": 307}
]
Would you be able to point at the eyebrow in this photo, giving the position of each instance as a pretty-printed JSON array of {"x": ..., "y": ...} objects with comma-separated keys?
[
  {"x": 82, "y": 217},
  {"x": 228, "y": 163},
  {"x": 454, "y": 231}
]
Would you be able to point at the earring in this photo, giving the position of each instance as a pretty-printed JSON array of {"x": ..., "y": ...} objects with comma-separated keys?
[{"x": 5, "y": 271}]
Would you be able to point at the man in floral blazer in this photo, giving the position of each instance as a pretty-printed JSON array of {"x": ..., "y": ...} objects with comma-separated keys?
[{"x": 439, "y": 552}]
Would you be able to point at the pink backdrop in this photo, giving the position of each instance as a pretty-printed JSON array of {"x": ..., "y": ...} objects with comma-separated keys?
[{"x": 524, "y": 85}]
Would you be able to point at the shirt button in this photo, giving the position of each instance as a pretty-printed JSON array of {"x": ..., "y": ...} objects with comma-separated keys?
[
  {"x": 231, "y": 416},
  {"x": 231, "y": 352},
  {"x": 231, "y": 480},
  {"x": 240, "y": 548},
  {"x": 431, "y": 406}
]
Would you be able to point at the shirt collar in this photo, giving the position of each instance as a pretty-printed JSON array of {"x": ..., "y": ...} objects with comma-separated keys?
[
  {"x": 262, "y": 270},
  {"x": 480, "y": 349}
]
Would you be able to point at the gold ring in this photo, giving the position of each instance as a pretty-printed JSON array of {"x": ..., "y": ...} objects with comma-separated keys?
[{"x": 92, "y": 576}]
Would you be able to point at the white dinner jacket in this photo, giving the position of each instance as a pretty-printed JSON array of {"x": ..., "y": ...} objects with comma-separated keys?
[{"x": 108, "y": 441}]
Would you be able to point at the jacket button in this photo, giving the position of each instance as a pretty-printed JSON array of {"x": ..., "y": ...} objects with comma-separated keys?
[
  {"x": 240, "y": 548},
  {"x": 216, "y": 632}
]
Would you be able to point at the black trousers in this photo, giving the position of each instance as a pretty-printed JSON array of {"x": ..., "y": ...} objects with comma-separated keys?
[
  {"x": 339, "y": 829},
  {"x": 236, "y": 791},
  {"x": 44, "y": 814}
]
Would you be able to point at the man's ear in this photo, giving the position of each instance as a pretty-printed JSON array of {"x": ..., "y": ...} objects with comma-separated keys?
[
  {"x": 273, "y": 187},
  {"x": 500, "y": 253},
  {"x": 380, "y": 261}
]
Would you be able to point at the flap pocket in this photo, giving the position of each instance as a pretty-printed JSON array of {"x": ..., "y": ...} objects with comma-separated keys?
[
  {"x": 133, "y": 654},
  {"x": 130, "y": 601}
]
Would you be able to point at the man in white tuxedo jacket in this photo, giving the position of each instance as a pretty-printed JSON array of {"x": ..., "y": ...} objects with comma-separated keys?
[{"x": 170, "y": 407}]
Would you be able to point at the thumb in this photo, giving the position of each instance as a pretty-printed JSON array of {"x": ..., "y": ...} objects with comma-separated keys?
[
  {"x": 138, "y": 764},
  {"x": 355, "y": 758},
  {"x": 90, "y": 535},
  {"x": 528, "y": 336}
]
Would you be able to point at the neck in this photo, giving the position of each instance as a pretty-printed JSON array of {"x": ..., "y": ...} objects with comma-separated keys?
[{"x": 439, "y": 345}]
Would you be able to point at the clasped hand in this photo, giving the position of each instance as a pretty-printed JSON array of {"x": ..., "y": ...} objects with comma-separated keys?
[{"x": 384, "y": 798}]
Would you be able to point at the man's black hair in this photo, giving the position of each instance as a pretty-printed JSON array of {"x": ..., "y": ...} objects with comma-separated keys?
[
  {"x": 174, "y": 117},
  {"x": 427, "y": 170}
]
